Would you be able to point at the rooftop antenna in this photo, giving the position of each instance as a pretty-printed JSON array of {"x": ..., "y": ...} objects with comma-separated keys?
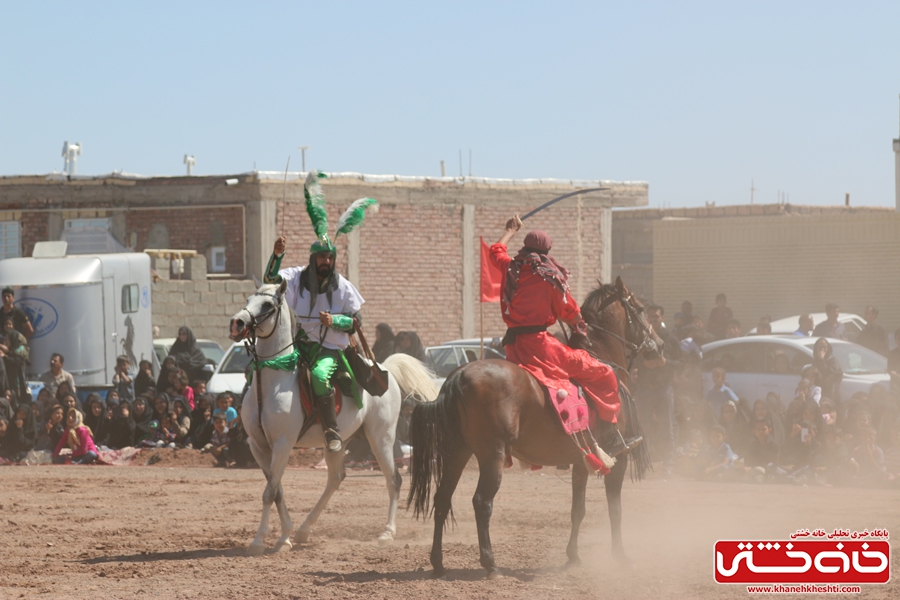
[
  {"x": 284, "y": 193},
  {"x": 190, "y": 161},
  {"x": 303, "y": 150},
  {"x": 70, "y": 154},
  {"x": 470, "y": 162},
  {"x": 752, "y": 189}
]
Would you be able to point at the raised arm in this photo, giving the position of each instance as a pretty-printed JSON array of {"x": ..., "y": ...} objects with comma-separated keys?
[
  {"x": 512, "y": 226},
  {"x": 271, "y": 275}
]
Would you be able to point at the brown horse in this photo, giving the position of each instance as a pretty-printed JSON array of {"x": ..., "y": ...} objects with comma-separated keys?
[{"x": 494, "y": 409}]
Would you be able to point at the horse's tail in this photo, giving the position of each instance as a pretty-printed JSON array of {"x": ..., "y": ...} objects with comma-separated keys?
[
  {"x": 640, "y": 455},
  {"x": 414, "y": 377},
  {"x": 434, "y": 433}
]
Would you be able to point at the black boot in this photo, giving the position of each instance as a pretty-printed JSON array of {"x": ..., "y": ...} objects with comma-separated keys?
[
  {"x": 611, "y": 440},
  {"x": 327, "y": 413}
]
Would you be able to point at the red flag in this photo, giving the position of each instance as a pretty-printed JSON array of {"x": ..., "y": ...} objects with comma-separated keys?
[{"x": 491, "y": 277}]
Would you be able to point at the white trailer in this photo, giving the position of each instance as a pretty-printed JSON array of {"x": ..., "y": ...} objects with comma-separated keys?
[{"x": 89, "y": 308}]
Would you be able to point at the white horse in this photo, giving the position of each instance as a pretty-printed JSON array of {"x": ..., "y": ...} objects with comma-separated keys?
[{"x": 271, "y": 437}]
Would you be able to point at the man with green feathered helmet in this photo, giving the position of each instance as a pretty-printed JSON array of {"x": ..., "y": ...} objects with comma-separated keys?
[{"x": 325, "y": 305}]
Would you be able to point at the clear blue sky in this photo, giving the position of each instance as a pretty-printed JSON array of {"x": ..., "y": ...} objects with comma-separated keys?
[{"x": 696, "y": 98}]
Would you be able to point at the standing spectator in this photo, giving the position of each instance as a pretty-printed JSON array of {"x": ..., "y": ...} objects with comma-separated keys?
[
  {"x": 804, "y": 326},
  {"x": 187, "y": 354},
  {"x": 143, "y": 381},
  {"x": 828, "y": 369},
  {"x": 719, "y": 318},
  {"x": 719, "y": 393},
  {"x": 873, "y": 336},
  {"x": 50, "y": 430},
  {"x": 56, "y": 375},
  {"x": 122, "y": 381},
  {"x": 831, "y": 327},
  {"x": 384, "y": 342},
  {"x": 21, "y": 322},
  {"x": 14, "y": 350},
  {"x": 655, "y": 387},
  {"x": 408, "y": 342},
  {"x": 76, "y": 441}
]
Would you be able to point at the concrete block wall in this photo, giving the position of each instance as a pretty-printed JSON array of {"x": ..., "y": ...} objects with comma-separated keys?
[
  {"x": 781, "y": 266},
  {"x": 206, "y": 306}
]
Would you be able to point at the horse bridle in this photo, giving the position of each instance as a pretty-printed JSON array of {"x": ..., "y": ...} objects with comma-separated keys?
[{"x": 632, "y": 314}]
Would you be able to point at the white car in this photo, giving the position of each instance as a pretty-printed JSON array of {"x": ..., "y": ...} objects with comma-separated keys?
[
  {"x": 230, "y": 372},
  {"x": 444, "y": 359},
  {"x": 761, "y": 364},
  {"x": 853, "y": 324}
]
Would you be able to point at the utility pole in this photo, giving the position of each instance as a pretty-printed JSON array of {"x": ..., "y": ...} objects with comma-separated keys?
[
  {"x": 897, "y": 172},
  {"x": 752, "y": 189},
  {"x": 303, "y": 150}
]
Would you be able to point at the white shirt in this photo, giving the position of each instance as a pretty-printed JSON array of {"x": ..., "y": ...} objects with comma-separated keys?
[{"x": 344, "y": 300}]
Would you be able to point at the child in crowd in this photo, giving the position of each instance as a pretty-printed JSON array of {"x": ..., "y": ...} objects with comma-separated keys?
[
  {"x": 51, "y": 429},
  {"x": 181, "y": 421},
  {"x": 762, "y": 452},
  {"x": 869, "y": 457},
  {"x": 832, "y": 462},
  {"x": 717, "y": 460},
  {"x": 720, "y": 393},
  {"x": 199, "y": 387},
  {"x": 143, "y": 381},
  {"x": 122, "y": 381},
  {"x": 181, "y": 387},
  {"x": 143, "y": 419},
  {"x": 223, "y": 406},
  {"x": 21, "y": 433},
  {"x": 76, "y": 441},
  {"x": 811, "y": 374},
  {"x": 799, "y": 449},
  {"x": 218, "y": 443},
  {"x": 96, "y": 419}
]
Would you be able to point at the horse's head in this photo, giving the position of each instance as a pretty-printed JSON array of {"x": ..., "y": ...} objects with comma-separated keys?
[
  {"x": 617, "y": 322},
  {"x": 260, "y": 317}
]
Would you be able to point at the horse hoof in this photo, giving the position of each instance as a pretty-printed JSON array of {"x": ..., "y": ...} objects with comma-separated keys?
[
  {"x": 386, "y": 538},
  {"x": 301, "y": 537},
  {"x": 572, "y": 562},
  {"x": 494, "y": 574},
  {"x": 255, "y": 549},
  {"x": 284, "y": 546}
]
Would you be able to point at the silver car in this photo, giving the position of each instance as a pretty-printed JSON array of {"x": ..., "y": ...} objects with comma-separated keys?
[{"x": 761, "y": 364}]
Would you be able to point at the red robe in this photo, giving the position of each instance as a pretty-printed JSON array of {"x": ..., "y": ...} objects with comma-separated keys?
[{"x": 538, "y": 302}]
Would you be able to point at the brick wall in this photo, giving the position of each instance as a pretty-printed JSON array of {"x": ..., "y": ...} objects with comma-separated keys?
[
  {"x": 34, "y": 229},
  {"x": 191, "y": 229},
  {"x": 204, "y": 306}
]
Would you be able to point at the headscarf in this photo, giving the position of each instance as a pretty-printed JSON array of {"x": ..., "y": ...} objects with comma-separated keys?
[
  {"x": 384, "y": 345},
  {"x": 99, "y": 425},
  {"x": 157, "y": 414},
  {"x": 6, "y": 410},
  {"x": 187, "y": 354},
  {"x": 309, "y": 277},
  {"x": 20, "y": 440},
  {"x": 73, "y": 440},
  {"x": 829, "y": 370},
  {"x": 121, "y": 430},
  {"x": 142, "y": 427},
  {"x": 541, "y": 264},
  {"x": 416, "y": 349},
  {"x": 142, "y": 382}
]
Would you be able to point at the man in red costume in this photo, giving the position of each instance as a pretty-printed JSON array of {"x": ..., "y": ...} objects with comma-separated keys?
[{"x": 534, "y": 294}]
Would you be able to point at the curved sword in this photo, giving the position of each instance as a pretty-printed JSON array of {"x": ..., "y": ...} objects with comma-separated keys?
[{"x": 563, "y": 197}]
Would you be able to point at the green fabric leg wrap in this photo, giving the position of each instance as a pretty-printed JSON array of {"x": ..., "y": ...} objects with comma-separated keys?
[{"x": 320, "y": 375}]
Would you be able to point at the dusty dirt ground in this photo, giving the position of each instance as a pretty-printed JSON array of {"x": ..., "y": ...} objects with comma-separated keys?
[{"x": 175, "y": 531}]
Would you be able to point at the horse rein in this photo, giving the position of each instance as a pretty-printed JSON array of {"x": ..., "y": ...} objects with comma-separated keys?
[
  {"x": 250, "y": 345},
  {"x": 632, "y": 315}
]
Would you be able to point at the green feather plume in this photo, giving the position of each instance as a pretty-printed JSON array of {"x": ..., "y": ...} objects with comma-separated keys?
[
  {"x": 353, "y": 216},
  {"x": 315, "y": 204}
]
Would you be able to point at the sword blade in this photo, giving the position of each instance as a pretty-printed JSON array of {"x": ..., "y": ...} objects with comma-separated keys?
[{"x": 563, "y": 197}]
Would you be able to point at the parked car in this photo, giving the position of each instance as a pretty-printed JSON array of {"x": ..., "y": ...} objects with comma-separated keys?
[
  {"x": 448, "y": 356},
  {"x": 229, "y": 374},
  {"x": 853, "y": 324},
  {"x": 210, "y": 348},
  {"x": 761, "y": 364}
]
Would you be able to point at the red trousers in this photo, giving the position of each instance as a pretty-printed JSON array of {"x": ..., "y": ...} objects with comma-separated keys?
[{"x": 554, "y": 364}]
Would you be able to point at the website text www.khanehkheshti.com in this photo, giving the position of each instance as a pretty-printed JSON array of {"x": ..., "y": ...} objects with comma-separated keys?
[{"x": 804, "y": 588}]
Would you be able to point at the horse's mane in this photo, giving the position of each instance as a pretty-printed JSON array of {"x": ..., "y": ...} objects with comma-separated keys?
[{"x": 596, "y": 297}]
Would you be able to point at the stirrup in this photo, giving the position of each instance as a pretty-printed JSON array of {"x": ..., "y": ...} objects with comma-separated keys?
[
  {"x": 333, "y": 442},
  {"x": 616, "y": 444}
]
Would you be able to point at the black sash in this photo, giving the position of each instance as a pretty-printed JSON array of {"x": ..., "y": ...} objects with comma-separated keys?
[{"x": 513, "y": 332}]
